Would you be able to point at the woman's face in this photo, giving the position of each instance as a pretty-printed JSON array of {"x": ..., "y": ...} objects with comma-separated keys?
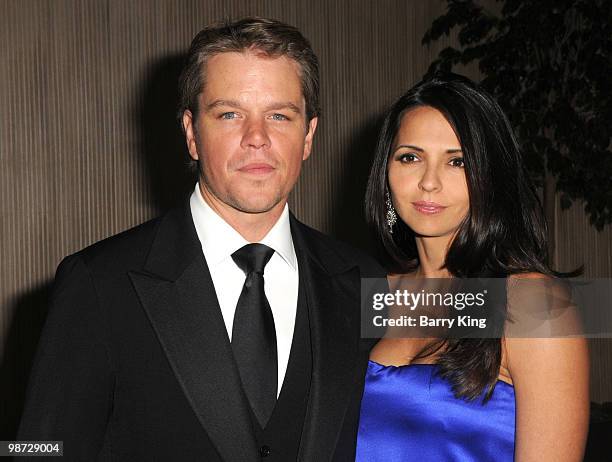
[{"x": 426, "y": 174}]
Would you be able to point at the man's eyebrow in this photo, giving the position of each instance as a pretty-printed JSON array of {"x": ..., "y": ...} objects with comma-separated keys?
[
  {"x": 236, "y": 104},
  {"x": 223, "y": 102},
  {"x": 287, "y": 105}
]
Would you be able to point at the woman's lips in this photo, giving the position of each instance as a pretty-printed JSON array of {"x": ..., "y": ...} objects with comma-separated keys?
[{"x": 428, "y": 208}]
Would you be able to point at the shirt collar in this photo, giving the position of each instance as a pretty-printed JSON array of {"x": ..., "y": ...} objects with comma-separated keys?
[{"x": 210, "y": 227}]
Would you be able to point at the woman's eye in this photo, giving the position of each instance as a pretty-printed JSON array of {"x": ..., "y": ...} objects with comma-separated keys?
[
  {"x": 457, "y": 162},
  {"x": 408, "y": 158},
  {"x": 228, "y": 115},
  {"x": 279, "y": 117}
]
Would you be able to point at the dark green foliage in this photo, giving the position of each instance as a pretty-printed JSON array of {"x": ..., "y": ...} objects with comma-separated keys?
[{"x": 549, "y": 64}]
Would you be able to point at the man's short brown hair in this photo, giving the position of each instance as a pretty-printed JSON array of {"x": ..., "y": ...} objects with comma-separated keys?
[{"x": 267, "y": 36}]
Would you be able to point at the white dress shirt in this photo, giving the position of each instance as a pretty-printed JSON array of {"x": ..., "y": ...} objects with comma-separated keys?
[{"x": 219, "y": 241}]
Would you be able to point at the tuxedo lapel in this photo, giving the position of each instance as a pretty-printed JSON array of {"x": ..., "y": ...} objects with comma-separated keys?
[
  {"x": 333, "y": 291},
  {"x": 178, "y": 295}
]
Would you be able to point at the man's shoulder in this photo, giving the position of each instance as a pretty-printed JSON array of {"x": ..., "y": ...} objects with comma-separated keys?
[
  {"x": 123, "y": 251},
  {"x": 343, "y": 251}
]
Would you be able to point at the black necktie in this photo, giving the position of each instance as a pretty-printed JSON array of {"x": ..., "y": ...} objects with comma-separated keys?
[{"x": 253, "y": 333}]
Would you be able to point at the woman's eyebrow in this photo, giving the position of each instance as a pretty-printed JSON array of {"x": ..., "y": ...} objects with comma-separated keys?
[
  {"x": 409, "y": 146},
  {"x": 416, "y": 148}
]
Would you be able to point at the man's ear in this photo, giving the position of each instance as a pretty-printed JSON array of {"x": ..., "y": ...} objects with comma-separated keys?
[
  {"x": 189, "y": 130},
  {"x": 312, "y": 127}
]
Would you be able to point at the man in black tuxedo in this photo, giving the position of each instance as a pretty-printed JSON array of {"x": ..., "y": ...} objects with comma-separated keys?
[{"x": 225, "y": 329}]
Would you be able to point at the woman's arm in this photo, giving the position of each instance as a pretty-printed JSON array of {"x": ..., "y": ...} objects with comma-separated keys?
[{"x": 551, "y": 380}]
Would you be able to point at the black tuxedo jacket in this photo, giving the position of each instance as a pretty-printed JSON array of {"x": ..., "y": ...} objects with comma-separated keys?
[{"x": 135, "y": 364}]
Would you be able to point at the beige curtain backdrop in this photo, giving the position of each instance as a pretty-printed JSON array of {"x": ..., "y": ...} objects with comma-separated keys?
[{"x": 89, "y": 145}]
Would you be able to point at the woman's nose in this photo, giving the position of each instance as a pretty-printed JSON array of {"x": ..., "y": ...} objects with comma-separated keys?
[{"x": 430, "y": 181}]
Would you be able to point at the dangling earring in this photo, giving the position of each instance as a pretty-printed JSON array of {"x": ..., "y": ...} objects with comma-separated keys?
[{"x": 391, "y": 215}]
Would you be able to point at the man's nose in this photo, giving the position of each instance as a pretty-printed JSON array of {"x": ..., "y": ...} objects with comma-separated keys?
[
  {"x": 430, "y": 181},
  {"x": 255, "y": 134}
]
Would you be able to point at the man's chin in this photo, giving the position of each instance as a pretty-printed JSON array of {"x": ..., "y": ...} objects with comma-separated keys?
[
  {"x": 255, "y": 206},
  {"x": 252, "y": 202}
]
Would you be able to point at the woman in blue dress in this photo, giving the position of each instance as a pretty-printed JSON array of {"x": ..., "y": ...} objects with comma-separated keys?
[{"x": 449, "y": 197}]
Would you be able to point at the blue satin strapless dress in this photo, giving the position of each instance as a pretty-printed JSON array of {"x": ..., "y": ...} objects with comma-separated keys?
[{"x": 409, "y": 413}]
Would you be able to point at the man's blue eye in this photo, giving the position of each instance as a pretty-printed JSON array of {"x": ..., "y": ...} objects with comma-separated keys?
[
  {"x": 228, "y": 115},
  {"x": 279, "y": 117}
]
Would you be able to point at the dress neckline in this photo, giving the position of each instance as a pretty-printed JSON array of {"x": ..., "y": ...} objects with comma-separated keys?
[
  {"x": 402, "y": 366},
  {"x": 433, "y": 365}
]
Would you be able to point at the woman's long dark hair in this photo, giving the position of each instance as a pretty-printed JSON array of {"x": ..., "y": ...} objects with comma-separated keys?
[{"x": 504, "y": 231}]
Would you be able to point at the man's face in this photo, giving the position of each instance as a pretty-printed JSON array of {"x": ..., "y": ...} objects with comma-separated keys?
[{"x": 250, "y": 134}]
